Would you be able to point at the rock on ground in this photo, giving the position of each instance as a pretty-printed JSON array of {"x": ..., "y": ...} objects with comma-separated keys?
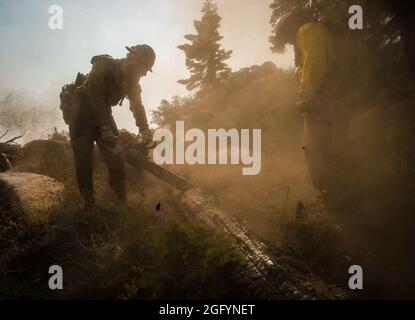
[{"x": 30, "y": 194}]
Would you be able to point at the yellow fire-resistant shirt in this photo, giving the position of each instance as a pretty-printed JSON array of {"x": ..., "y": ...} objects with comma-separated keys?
[{"x": 316, "y": 44}]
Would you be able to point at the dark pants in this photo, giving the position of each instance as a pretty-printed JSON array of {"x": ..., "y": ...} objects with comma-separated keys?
[
  {"x": 83, "y": 137},
  {"x": 327, "y": 149}
]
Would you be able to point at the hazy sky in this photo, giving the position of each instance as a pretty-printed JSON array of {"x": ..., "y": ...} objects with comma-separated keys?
[{"x": 38, "y": 61}]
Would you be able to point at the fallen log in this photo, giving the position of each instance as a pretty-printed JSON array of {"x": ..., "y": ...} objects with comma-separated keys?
[{"x": 264, "y": 275}]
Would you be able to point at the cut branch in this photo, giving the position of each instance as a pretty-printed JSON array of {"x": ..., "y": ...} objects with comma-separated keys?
[{"x": 13, "y": 139}]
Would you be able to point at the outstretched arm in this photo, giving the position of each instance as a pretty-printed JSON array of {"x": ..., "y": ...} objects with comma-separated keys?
[
  {"x": 139, "y": 113},
  {"x": 137, "y": 108}
]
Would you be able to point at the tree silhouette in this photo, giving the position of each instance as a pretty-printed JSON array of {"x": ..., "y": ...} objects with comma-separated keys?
[{"x": 204, "y": 55}]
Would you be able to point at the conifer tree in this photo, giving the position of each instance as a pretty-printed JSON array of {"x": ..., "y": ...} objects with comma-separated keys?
[{"x": 205, "y": 58}]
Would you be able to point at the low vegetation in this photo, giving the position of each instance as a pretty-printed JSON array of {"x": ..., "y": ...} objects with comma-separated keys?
[{"x": 127, "y": 251}]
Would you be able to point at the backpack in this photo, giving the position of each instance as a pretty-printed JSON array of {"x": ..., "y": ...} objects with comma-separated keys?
[{"x": 71, "y": 99}]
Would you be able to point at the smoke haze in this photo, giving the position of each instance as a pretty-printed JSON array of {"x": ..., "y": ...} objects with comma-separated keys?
[{"x": 38, "y": 61}]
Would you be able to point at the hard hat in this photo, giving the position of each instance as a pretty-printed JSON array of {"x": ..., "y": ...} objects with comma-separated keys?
[
  {"x": 281, "y": 25},
  {"x": 145, "y": 53}
]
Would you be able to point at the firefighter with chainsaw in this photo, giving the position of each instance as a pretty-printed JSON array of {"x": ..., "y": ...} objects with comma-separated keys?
[
  {"x": 86, "y": 106},
  {"x": 322, "y": 96}
]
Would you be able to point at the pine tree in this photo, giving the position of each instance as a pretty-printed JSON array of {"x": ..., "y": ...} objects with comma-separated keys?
[{"x": 204, "y": 55}]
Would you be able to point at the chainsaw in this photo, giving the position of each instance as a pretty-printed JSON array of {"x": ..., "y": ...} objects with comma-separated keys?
[{"x": 137, "y": 154}]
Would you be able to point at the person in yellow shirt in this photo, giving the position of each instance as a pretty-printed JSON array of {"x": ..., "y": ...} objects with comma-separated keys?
[{"x": 318, "y": 94}]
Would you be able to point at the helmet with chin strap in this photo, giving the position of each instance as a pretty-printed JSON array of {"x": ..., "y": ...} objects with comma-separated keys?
[
  {"x": 285, "y": 24},
  {"x": 282, "y": 23},
  {"x": 144, "y": 53}
]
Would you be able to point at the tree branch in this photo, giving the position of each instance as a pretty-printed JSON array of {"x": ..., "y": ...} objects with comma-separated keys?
[
  {"x": 13, "y": 139},
  {"x": 4, "y": 134}
]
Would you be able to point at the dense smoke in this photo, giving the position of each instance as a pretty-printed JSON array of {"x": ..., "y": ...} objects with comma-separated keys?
[{"x": 21, "y": 115}]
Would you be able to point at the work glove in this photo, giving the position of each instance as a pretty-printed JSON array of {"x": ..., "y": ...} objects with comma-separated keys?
[
  {"x": 107, "y": 136},
  {"x": 146, "y": 136}
]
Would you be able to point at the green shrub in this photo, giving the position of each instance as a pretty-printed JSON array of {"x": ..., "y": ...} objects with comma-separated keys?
[
  {"x": 317, "y": 244},
  {"x": 117, "y": 252}
]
